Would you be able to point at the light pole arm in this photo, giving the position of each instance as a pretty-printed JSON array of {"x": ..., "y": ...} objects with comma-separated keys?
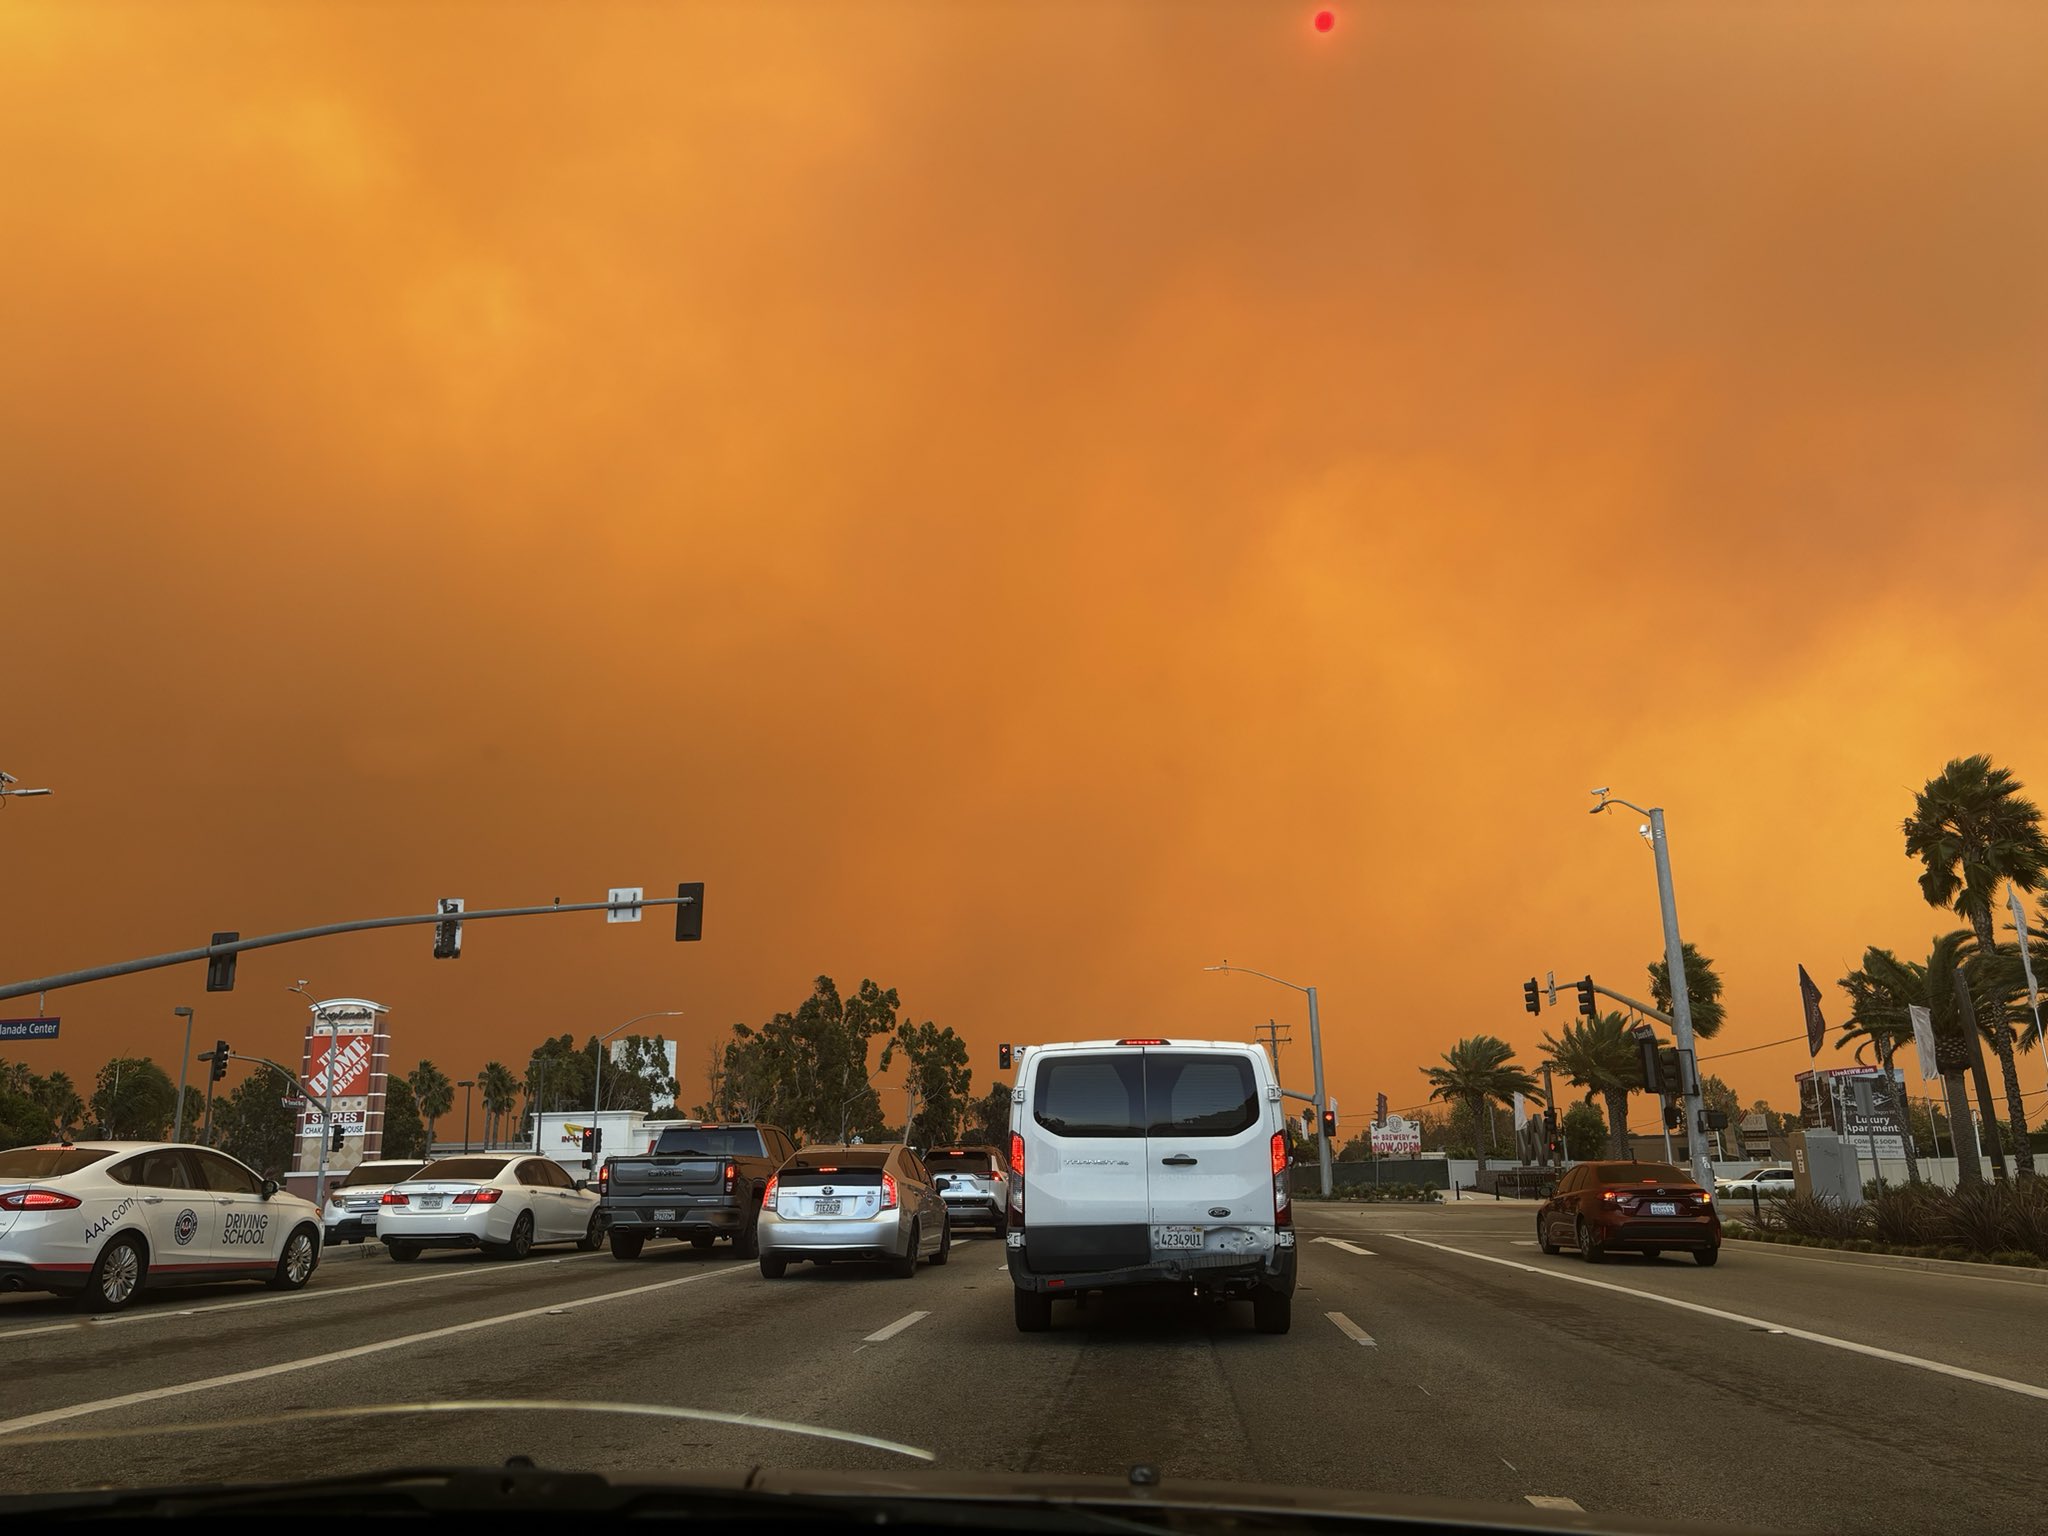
[{"x": 1248, "y": 971}]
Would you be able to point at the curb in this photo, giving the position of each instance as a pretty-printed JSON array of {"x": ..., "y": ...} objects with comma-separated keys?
[
  {"x": 343, "y": 1253},
  {"x": 2015, "y": 1272}
]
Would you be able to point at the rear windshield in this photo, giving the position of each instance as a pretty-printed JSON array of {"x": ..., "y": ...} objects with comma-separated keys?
[
  {"x": 1643, "y": 1173},
  {"x": 961, "y": 1161},
  {"x": 46, "y": 1162},
  {"x": 379, "y": 1173},
  {"x": 818, "y": 1159},
  {"x": 464, "y": 1168},
  {"x": 1159, "y": 1093},
  {"x": 738, "y": 1141}
]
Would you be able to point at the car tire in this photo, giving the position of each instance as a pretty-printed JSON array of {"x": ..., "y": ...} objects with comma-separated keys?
[
  {"x": 1589, "y": 1249},
  {"x": 1543, "y": 1239},
  {"x": 906, "y": 1266},
  {"x": 1033, "y": 1310},
  {"x": 401, "y": 1251},
  {"x": 773, "y": 1268},
  {"x": 1272, "y": 1310},
  {"x": 702, "y": 1241},
  {"x": 627, "y": 1245},
  {"x": 1706, "y": 1258},
  {"x": 522, "y": 1238},
  {"x": 593, "y": 1235},
  {"x": 116, "y": 1278},
  {"x": 945, "y": 1242},
  {"x": 746, "y": 1243},
  {"x": 296, "y": 1264}
]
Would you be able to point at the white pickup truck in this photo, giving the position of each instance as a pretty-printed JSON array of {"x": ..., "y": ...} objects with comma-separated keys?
[{"x": 1768, "y": 1183}]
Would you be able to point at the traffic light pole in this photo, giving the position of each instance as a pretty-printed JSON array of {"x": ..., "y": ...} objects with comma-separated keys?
[{"x": 326, "y": 1108}]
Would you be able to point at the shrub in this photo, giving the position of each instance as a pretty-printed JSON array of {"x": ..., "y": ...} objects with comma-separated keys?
[
  {"x": 1973, "y": 1218},
  {"x": 1909, "y": 1216},
  {"x": 2023, "y": 1224},
  {"x": 1819, "y": 1216}
]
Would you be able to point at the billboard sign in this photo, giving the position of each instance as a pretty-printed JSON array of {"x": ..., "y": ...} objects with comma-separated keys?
[{"x": 1396, "y": 1137}]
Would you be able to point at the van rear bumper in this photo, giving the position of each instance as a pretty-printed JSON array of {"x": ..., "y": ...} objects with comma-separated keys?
[{"x": 1273, "y": 1270}]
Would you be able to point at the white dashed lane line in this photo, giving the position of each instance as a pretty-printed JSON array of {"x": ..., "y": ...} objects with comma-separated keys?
[
  {"x": 1351, "y": 1330},
  {"x": 1338, "y": 1242},
  {"x": 907, "y": 1320},
  {"x": 1554, "y": 1501}
]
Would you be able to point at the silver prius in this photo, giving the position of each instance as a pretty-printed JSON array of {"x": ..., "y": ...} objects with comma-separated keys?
[{"x": 857, "y": 1202}]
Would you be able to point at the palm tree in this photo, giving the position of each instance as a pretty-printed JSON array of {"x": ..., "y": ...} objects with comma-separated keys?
[
  {"x": 498, "y": 1088},
  {"x": 1478, "y": 1070},
  {"x": 434, "y": 1091},
  {"x": 1972, "y": 830},
  {"x": 1702, "y": 990},
  {"x": 1880, "y": 993},
  {"x": 1600, "y": 1056}
]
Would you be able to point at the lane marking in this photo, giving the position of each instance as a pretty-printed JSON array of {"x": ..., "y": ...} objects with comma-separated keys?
[
  {"x": 1338, "y": 1242},
  {"x": 155, "y": 1314},
  {"x": 1875, "y": 1352},
  {"x": 908, "y": 1319},
  {"x": 1506, "y": 1463},
  {"x": 1554, "y": 1501},
  {"x": 1344, "y": 1324},
  {"x": 357, "y": 1352}
]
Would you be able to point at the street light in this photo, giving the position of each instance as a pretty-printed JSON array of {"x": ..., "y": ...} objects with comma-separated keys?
[
  {"x": 326, "y": 1099},
  {"x": 597, "y": 1088},
  {"x": 178, "y": 1122},
  {"x": 1681, "y": 1000},
  {"x": 465, "y": 1084},
  {"x": 9, "y": 792},
  {"x": 1315, "y": 1050}
]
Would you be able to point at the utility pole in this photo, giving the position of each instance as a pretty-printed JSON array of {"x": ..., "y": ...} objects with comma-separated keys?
[
  {"x": 1550, "y": 1104},
  {"x": 178, "y": 1124},
  {"x": 1273, "y": 1041}
]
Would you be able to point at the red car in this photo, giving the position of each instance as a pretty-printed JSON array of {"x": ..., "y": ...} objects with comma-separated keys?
[{"x": 1632, "y": 1207}]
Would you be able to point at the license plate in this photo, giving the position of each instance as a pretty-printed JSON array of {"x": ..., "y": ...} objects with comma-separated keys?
[
  {"x": 825, "y": 1207},
  {"x": 1180, "y": 1237},
  {"x": 1663, "y": 1208},
  {"x": 430, "y": 1202},
  {"x": 664, "y": 1215}
]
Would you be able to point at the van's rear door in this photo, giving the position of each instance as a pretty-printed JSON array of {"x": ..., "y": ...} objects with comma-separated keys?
[
  {"x": 1208, "y": 1148},
  {"x": 1087, "y": 1202}
]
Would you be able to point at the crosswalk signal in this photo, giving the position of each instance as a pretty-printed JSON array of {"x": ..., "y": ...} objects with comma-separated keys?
[
  {"x": 1531, "y": 1000},
  {"x": 1674, "y": 1116},
  {"x": 219, "y": 1065},
  {"x": 220, "y": 969},
  {"x": 448, "y": 933},
  {"x": 1004, "y": 1057},
  {"x": 1585, "y": 991},
  {"x": 690, "y": 912}
]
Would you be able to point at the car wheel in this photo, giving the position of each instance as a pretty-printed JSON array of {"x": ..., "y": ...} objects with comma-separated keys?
[
  {"x": 1543, "y": 1237},
  {"x": 116, "y": 1277},
  {"x": 1271, "y": 1310},
  {"x": 1034, "y": 1311},
  {"x": 906, "y": 1266},
  {"x": 593, "y": 1235},
  {"x": 295, "y": 1264},
  {"x": 522, "y": 1237},
  {"x": 1706, "y": 1258},
  {"x": 945, "y": 1242},
  {"x": 627, "y": 1245},
  {"x": 1589, "y": 1249},
  {"x": 746, "y": 1243},
  {"x": 701, "y": 1241},
  {"x": 773, "y": 1268},
  {"x": 401, "y": 1251}
]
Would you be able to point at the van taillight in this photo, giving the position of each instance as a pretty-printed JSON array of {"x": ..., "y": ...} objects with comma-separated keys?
[
  {"x": 768, "y": 1196},
  {"x": 1016, "y": 1152},
  {"x": 1016, "y": 1212},
  {"x": 1279, "y": 1151},
  {"x": 1283, "y": 1208}
]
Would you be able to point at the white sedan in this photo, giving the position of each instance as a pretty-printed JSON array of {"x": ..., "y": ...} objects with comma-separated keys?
[
  {"x": 102, "y": 1220},
  {"x": 500, "y": 1202}
]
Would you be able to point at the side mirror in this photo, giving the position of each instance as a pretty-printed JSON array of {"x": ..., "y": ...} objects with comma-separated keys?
[
  {"x": 583, "y": 1184},
  {"x": 269, "y": 1188}
]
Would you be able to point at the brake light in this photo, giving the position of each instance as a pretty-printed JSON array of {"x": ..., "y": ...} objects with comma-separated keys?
[
  {"x": 1608, "y": 1197},
  {"x": 1143, "y": 1042},
  {"x": 768, "y": 1196},
  {"x": 1283, "y": 1206},
  {"x": 1279, "y": 1151},
  {"x": 731, "y": 1173},
  {"x": 38, "y": 1200},
  {"x": 393, "y": 1197},
  {"x": 604, "y": 1177},
  {"x": 1017, "y": 1152},
  {"x": 888, "y": 1191},
  {"x": 478, "y": 1197}
]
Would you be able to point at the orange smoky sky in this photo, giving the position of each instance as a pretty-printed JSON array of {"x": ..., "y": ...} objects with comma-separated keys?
[{"x": 1026, "y": 500}]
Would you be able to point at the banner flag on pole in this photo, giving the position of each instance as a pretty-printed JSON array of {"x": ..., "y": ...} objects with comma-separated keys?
[
  {"x": 1923, "y": 1039},
  {"x": 2019, "y": 923},
  {"x": 1521, "y": 1112},
  {"x": 1816, "y": 1026}
]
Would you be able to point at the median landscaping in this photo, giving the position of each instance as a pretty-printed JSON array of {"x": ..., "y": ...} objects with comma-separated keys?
[{"x": 1989, "y": 1224}]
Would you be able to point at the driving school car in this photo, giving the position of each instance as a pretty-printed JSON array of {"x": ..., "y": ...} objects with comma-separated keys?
[{"x": 103, "y": 1220}]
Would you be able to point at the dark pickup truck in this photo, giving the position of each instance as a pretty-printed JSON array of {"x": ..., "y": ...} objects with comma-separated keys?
[{"x": 698, "y": 1181}]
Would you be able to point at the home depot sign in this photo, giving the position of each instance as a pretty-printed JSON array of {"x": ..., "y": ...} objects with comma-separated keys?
[{"x": 346, "y": 1055}]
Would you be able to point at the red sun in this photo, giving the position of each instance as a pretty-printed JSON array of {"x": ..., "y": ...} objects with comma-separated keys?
[{"x": 1325, "y": 20}]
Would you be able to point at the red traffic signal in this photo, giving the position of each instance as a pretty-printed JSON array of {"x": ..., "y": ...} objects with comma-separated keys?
[{"x": 1325, "y": 20}]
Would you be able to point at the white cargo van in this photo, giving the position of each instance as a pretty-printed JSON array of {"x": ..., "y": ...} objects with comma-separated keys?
[{"x": 1149, "y": 1162}]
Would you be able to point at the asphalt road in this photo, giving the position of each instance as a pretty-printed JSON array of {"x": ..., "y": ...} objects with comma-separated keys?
[{"x": 1434, "y": 1351}]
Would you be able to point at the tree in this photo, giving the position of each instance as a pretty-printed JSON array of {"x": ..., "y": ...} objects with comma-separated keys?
[
  {"x": 133, "y": 1099},
  {"x": 1715, "y": 1094},
  {"x": 1881, "y": 994},
  {"x": 434, "y": 1091},
  {"x": 636, "y": 1073},
  {"x": 253, "y": 1124},
  {"x": 1585, "y": 1131},
  {"x": 1702, "y": 990},
  {"x": 807, "y": 1071},
  {"x": 498, "y": 1090},
  {"x": 405, "y": 1134},
  {"x": 986, "y": 1122},
  {"x": 935, "y": 1062},
  {"x": 1972, "y": 831},
  {"x": 1600, "y": 1056},
  {"x": 1477, "y": 1071}
]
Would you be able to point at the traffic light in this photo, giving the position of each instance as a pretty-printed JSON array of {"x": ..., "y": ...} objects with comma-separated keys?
[
  {"x": 1329, "y": 1125},
  {"x": 1585, "y": 990},
  {"x": 1531, "y": 999},
  {"x": 1667, "y": 1069},
  {"x": 334, "y": 1143},
  {"x": 1550, "y": 1137},
  {"x": 220, "y": 969},
  {"x": 1647, "y": 1064},
  {"x": 1003, "y": 1057},
  {"x": 690, "y": 914},
  {"x": 448, "y": 935},
  {"x": 589, "y": 1139},
  {"x": 219, "y": 1067}
]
